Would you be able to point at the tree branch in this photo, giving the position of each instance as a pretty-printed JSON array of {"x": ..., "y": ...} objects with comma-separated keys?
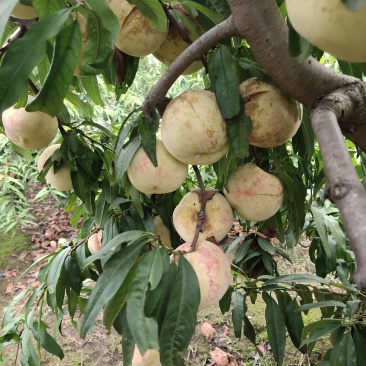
[
  {"x": 263, "y": 27},
  {"x": 199, "y": 47},
  {"x": 346, "y": 190}
]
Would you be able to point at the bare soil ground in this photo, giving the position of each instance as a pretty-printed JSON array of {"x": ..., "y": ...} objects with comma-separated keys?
[{"x": 101, "y": 349}]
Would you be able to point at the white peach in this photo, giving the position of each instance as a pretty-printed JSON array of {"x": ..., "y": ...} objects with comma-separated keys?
[
  {"x": 60, "y": 180},
  {"x": 30, "y": 130},
  {"x": 150, "y": 358},
  {"x": 212, "y": 268},
  {"x": 218, "y": 216},
  {"x": 255, "y": 194},
  {"x": 95, "y": 242},
  {"x": 274, "y": 114},
  {"x": 162, "y": 231},
  {"x": 24, "y": 12},
  {"x": 166, "y": 177},
  {"x": 330, "y": 26},
  {"x": 193, "y": 130}
]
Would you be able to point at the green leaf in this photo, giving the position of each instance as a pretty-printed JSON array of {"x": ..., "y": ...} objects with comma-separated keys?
[
  {"x": 237, "y": 129},
  {"x": 24, "y": 55},
  {"x": 319, "y": 329},
  {"x": 66, "y": 54},
  {"x": 237, "y": 303},
  {"x": 91, "y": 87},
  {"x": 6, "y": 8},
  {"x": 276, "y": 330},
  {"x": 353, "y": 5},
  {"x": 124, "y": 157},
  {"x": 144, "y": 329},
  {"x": 181, "y": 315},
  {"x": 249, "y": 330},
  {"x": 224, "y": 78},
  {"x": 114, "y": 272},
  {"x": 266, "y": 245},
  {"x": 359, "y": 339},
  {"x": 153, "y": 12},
  {"x": 321, "y": 304},
  {"x": 128, "y": 343},
  {"x": 84, "y": 109},
  {"x": 297, "y": 278},
  {"x": 47, "y": 341},
  {"x": 148, "y": 131},
  {"x": 216, "y": 18},
  {"x": 45, "y": 7},
  {"x": 55, "y": 269},
  {"x": 344, "y": 354}
]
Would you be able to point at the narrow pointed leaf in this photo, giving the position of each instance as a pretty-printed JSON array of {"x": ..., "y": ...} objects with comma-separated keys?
[
  {"x": 344, "y": 354},
  {"x": 55, "y": 269},
  {"x": 237, "y": 303}
]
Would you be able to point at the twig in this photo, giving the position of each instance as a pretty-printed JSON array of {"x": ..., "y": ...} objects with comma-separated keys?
[
  {"x": 33, "y": 86},
  {"x": 19, "y": 34},
  {"x": 345, "y": 188},
  {"x": 202, "y": 213},
  {"x": 199, "y": 47}
]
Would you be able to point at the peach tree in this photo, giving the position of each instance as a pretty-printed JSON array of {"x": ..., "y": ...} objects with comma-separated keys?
[{"x": 279, "y": 126}]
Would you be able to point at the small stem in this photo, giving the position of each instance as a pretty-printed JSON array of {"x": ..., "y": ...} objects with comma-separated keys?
[
  {"x": 61, "y": 127},
  {"x": 19, "y": 34},
  {"x": 202, "y": 213}
]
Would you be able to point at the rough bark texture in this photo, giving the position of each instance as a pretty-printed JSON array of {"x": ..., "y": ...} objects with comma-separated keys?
[{"x": 345, "y": 188}]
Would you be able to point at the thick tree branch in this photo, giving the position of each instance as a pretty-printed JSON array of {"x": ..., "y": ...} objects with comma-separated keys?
[
  {"x": 345, "y": 188},
  {"x": 263, "y": 27},
  {"x": 199, "y": 47}
]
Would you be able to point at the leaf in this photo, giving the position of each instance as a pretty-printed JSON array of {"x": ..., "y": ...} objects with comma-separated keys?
[
  {"x": 24, "y": 54},
  {"x": 350, "y": 68},
  {"x": 66, "y": 54},
  {"x": 45, "y": 7},
  {"x": 321, "y": 304},
  {"x": 181, "y": 315},
  {"x": 275, "y": 329},
  {"x": 153, "y": 12},
  {"x": 344, "y": 354},
  {"x": 237, "y": 303},
  {"x": 148, "y": 131},
  {"x": 91, "y": 87},
  {"x": 6, "y": 8},
  {"x": 143, "y": 329},
  {"x": 359, "y": 339},
  {"x": 298, "y": 278},
  {"x": 128, "y": 343},
  {"x": 224, "y": 78},
  {"x": 123, "y": 158},
  {"x": 216, "y": 18},
  {"x": 249, "y": 330},
  {"x": 47, "y": 341},
  {"x": 319, "y": 329},
  {"x": 353, "y": 5},
  {"x": 55, "y": 269},
  {"x": 114, "y": 272},
  {"x": 237, "y": 129},
  {"x": 266, "y": 245}
]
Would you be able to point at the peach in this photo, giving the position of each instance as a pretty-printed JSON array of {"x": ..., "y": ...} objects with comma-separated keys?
[
  {"x": 212, "y": 268},
  {"x": 162, "y": 231},
  {"x": 255, "y": 194},
  {"x": 84, "y": 38},
  {"x": 274, "y": 114},
  {"x": 218, "y": 216},
  {"x": 95, "y": 242},
  {"x": 193, "y": 130},
  {"x": 30, "y": 130},
  {"x": 23, "y": 12},
  {"x": 136, "y": 37},
  {"x": 173, "y": 46},
  {"x": 166, "y": 177},
  {"x": 318, "y": 21},
  {"x": 150, "y": 358},
  {"x": 62, "y": 179}
]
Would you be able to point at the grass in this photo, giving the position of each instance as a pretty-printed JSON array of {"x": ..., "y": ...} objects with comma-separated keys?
[{"x": 12, "y": 245}]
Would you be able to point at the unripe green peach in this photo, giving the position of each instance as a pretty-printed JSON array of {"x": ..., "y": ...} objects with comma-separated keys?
[
  {"x": 193, "y": 130},
  {"x": 62, "y": 179},
  {"x": 218, "y": 216},
  {"x": 274, "y": 114},
  {"x": 162, "y": 231},
  {"x": 330, "y": 26},
  {"x": 150, "y": 358},
  {"x": 30, "y": 130},
  {"x": 255, "y": 194},
  {"x": 23, "y": 12},
  {"x": 136, "y": 37},
  {"x": 172, "y": 47},
  {"x": 212, "y": 268},
  {"x": 95, "y": 242},
  {"x": 166, "y": 177}
]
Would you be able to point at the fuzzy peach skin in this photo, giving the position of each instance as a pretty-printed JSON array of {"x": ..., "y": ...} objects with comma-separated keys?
[
  {"x": 329, "y": 25},
  {"x": 30, "y": 130},
  {"x": 193, "y": 130},
  {"x": 218, "y": 217},
  {"x": 150, "y": 358},
  {"x": 163, "y": 232},
  {"x": 255, "y": 194},
  {"x": 95, "y": 242},
  {"x": 172, "y": 47},
  {"x": 62, "y": 179},
  {"x": 23, "y": 12},
  {"x": 136, "y": 37},
  {"x": 166, "y": 177},
  {"x": 274, "y": 114},
  {"x": 212, "y": 268}
]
